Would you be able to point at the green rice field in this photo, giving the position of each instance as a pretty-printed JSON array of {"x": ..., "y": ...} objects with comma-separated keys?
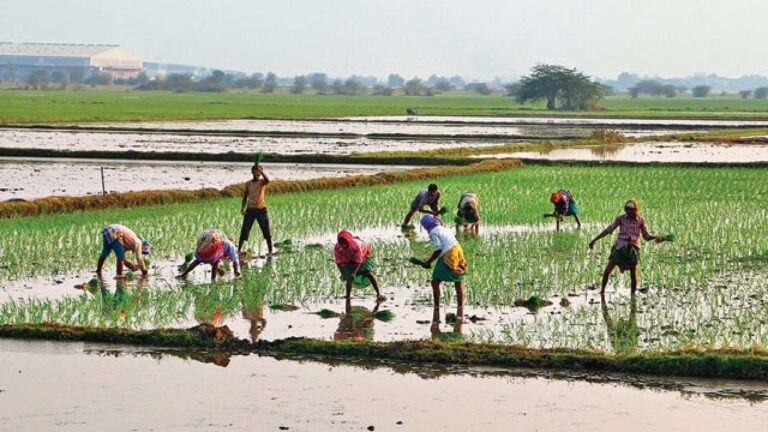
[
  {"x": 706, "y": 289},
  {"x": 20, "y": 106}
]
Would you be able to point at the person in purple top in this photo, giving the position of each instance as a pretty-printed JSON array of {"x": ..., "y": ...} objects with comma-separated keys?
[{"x": 626, "y": 251}]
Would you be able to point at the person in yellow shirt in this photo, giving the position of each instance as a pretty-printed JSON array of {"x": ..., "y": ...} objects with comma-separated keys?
[{"x": 254, "y": 208}]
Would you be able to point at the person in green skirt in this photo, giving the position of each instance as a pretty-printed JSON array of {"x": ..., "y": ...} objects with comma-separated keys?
[
  {"x": 626, "y": 251},
  {"x": 353, "y": 258},
  {"x": 451, "y": 264}
]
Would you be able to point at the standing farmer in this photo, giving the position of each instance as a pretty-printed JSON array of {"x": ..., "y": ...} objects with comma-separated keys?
[
  {"x": 429, "y": 197},
  {"x": 468, "y": 214},
  {"x": 254, "y": 207},
  {"x": 626, "y": 251},
  {"x": 353, "y": 258},
  {"x": 120, "y": 239},
  {"x": 565, "y": 205},
  {"x": 212, "y": 247},
  {"x": 451, "y": 263}
]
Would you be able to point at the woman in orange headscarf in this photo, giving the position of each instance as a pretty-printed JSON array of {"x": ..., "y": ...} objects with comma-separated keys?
[
  {"x": 353, "y": 258},
  {"x": 565, "y": 205}
]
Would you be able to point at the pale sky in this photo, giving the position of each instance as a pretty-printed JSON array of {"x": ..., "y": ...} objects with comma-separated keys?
[{"x": 477, "y": 39}]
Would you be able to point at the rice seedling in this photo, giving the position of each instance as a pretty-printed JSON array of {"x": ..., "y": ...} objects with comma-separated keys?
[{"x": 705, "y": 289}]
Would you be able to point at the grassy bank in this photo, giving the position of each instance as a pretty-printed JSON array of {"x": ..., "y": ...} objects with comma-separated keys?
[
  {"x": 749, "y": 364},
  {"x": 17, "y": 106}
]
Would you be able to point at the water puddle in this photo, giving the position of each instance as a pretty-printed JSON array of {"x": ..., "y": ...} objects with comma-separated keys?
[
  {"x": 155, "y": 391},
  {"x": 458, "y": 126},
  {"x": 29, "y": 178},
  {"x": 654, "y": 152},
  {"x": 144, "y": 142},
  {"x": 591, "y": 121}
]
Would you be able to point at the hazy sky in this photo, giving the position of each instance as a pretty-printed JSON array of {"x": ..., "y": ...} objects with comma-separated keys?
[{"x": 476, "y": 39}]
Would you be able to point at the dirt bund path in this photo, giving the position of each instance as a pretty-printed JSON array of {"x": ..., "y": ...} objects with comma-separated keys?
[
  {"x": 728, "y": 364},
  {"x": 354, "y": 159},
  {"x": 58, "y": 205}
]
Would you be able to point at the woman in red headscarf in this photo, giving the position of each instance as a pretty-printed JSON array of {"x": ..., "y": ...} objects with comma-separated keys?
[{"x": 353, "y": 258}]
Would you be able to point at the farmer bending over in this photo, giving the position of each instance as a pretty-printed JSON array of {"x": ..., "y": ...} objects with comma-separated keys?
[
  {"x": 626, "y": 251},
  {"x": 451, "y": 263},
  {"x": 254, "y": 208},
  {"x": 120, "y": 239},
  {"x": 212, "y": 247},
  {"x": 353, "y": 258},
  {"x": 468, "y": 215},
  {"x": 565, "y": 205},
  {"x": 429, "y": 197}
]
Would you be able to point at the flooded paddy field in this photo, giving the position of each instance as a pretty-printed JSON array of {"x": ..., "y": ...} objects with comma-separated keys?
[
  {"x": 97, "y": 387},
  {"x": 704, "y": 289},
  {"x": 426, "y": 126},
  {"x": 674, "y": 152},
  {"x": 141, "y": 142},
  {"x": 29, "y": 178},
  {"x": 580, "y": 121}
]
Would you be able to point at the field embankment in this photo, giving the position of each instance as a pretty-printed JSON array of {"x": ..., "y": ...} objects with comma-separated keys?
[{"x": 731, "y": 364}]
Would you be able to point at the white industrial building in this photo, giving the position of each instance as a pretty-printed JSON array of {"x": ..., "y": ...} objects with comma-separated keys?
[{"x": 18, "y": 60}]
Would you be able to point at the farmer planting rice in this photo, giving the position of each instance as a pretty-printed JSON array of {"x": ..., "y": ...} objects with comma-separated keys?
[
  {"x": 254, "y": 208},
  {"x": 626, "y": 251},
  {"x": 353, "y": 258},
  {"x": 565, "y": 205},
  {"x": 427, "y": 201},
  {"x": 451, "y": 263},
  {"x": 468, "y": 215},
  {"x": 120, "y": 239},
  {"x": 212, "y": 247}
]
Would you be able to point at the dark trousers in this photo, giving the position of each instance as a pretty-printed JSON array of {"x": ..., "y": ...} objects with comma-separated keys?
[{"x": 259, "y": 215}]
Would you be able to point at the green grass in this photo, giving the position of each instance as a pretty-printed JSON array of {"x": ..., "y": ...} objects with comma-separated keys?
[
  {"x": 17, "y": 106},
  {"x": 706, "y": 288}
]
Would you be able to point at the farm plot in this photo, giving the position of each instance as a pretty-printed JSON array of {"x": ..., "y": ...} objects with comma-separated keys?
[{"x": 706, "y": 288}]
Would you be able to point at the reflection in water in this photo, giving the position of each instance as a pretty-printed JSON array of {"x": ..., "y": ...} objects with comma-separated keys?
[
  {"x": 752, "y": 391},
  {"x": 356, "y": 323},
  {"x": 457, "y": 321},
  {"x": 606, "y": 151},
  {"x": 253, "y": 305},
  {"x": 121, "y": 304},
  {"x": 622, "y": 333}
]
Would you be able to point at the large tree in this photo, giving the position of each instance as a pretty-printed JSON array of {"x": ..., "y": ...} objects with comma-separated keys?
[{"x": 552, "y": 83}]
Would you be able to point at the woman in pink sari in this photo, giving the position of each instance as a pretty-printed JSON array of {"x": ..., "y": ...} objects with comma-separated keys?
[{"x": 353, "y": 258}]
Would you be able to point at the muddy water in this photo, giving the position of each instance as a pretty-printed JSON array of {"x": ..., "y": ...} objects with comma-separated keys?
[
  {"x": 655, "y": 152},
  {"x": 140, "y": 142},
  {"x": 477, "y": 126},
  {"x": 63, "y": 386},
  {"x": 591, "y": 121},
  {"x": 29, "y": 178},
  {"x": 412, "y": 305}
]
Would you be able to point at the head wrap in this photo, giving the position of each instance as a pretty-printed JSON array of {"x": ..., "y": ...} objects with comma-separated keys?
[
  {"x": 146, "y": 248},
  {"x": 633, "y": 204},
  {"x": 555, "y": 198},
  {"x": 210, "y": 246},
  {"x": 429, "y": 222},
  {"x": 355, "y": 250}
]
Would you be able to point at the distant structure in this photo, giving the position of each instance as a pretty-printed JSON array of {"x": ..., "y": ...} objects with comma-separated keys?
[
  {"x": 19, "y": 60},
  {"x": 155, "y": 69}
]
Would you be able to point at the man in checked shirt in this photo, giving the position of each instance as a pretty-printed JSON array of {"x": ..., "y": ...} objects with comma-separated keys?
[{"x": 626, "y": 251}]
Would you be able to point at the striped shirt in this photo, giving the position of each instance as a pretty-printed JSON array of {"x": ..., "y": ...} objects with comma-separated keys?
[{"x": 630, "y": 230}]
